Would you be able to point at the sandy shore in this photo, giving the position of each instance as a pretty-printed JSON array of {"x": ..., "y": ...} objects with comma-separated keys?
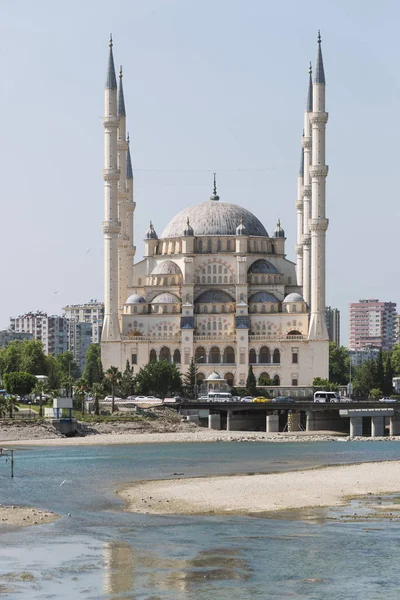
[
  {"x": 21, "y": 516},
  {"x": 196, "y": 435},
  {"x": 249, "y": 494}
]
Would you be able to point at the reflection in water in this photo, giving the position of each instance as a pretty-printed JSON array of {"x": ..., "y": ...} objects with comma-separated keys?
[
  {"x": 118, "y": 567},
  {"x": 130, "y": 570}
]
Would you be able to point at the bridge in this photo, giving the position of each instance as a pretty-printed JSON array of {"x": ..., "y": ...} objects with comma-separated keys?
[{"x": 354, "y": 418}]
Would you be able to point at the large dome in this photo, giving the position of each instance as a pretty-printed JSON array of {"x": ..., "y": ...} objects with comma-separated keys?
[{"x": 214, "y": 218}]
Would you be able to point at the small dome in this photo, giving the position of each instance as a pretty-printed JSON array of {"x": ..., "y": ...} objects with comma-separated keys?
[
  {"x": 262, "y": 267},
  {"x": 295, "y": 297},
  {"x": 217, "y": 296},
  {"x": 135, "y": 299},
  {"x": 166, "y": 298},
  {"x": 166, "y": 267},
  {"x": 151, "y": 233},
  {"x": 262, "y": 297},
  {"x": 214, "y": 376},
  {"x": 279, "y": 232},
  {"x": 188, "y": 231},
  {"x": 241, "y": 228}
]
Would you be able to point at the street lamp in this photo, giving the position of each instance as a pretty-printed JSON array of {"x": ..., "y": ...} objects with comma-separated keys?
[{"x": 195, "y": 375}]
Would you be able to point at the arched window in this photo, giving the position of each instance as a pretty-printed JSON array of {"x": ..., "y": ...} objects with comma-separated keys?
[
  {"x": 231, "y": 279},
  {"x": 215, "y": 355},
  {"x": 276, "y": 358},
  {"x": 228, "y": 245},
  {"x": 229, "y": 356},
  {"x": 200, "y": 246},
  {"x": 294, "y": 308},
  {"x": 214, "y": 308},
  {"x": 293, "y": 332},
  {"x": 264, "y": 379},
  {"x": 197, "y": 279},
  {"x": 219, "y": 270},
  {"x": 254, "y": 308},
  {"x": 165, "y": 354},
  {"x": 220, "y": 326},
  {"x": 205, "y": 309},
  {"x": 165, "y": 309},
  {"x": 214, "y": 326},
  {"x": 214, "y": 268},
  {"x": 263, "y": 308},
  {"x": 177, "y": 357},
  {"x": 200, "y": 378},
  {"x": 203, "y": 279},
  {"x": 214, "y": 279},
  {"x": 223, "y": 309},
  {"x": 172, "y": 280},
  {"x": 219, "y": 246},
  {"x": 153, "y": 356},
  {"x": 209, "y": 279},
  {"x": 209, "y": 246},
  {"x": 209, "y": 326},
  {"x": 272, "y": 249},
  {"x": 155, "y": 308},
  {"x": 225, "y": 279},
  {"x": 241, "y": 298},
  {"x": 252, "y": 357},
  {"x": 135, "y": 309},
  {"x": 174, "y": 309},
  {"x": 200, "y": 355},
  {"x": 187, "y": 297},
  {"x": 229, "y": 379},
  {"x": 265, "y": 355},
  {"x": 209, "y": 269},
  {"x": 276, "y": 380}
]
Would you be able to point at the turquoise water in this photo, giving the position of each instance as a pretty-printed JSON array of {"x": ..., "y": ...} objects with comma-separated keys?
[{"x": 101, "y": 552}]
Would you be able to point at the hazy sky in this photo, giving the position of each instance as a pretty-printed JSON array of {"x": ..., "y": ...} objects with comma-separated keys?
[{"x": 212, "y": 85}]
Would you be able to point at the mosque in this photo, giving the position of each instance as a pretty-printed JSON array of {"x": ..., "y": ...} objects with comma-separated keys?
[{"x": 215, "y": 286}]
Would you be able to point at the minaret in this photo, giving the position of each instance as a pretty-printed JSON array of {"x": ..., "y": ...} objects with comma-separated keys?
[
  {"x": 318, "y": 222},
  {"x": 130, "y": 209},
  {"x": 299, "y": 207},
  {"x": 122, "y": 198},
  {"x": 307, "y": 192},
  {"x": 111, "y": 225}
]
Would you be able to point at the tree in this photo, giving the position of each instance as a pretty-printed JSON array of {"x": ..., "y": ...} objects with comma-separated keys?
[
  {"x": 10, "y": 357},
  {"x": 33, "y": 358},
  {"x": 375, "y": 393},
  {"x": 93, "y": 371},
  {"x": 67, "y": 383},
  {"x": 339, "y": 364},
  {"x": 53, "y": 373},
  {"x": 365, "y": 378},
  {"x": 97, "y": 393},
  {"x": 66, "y": 364},
  {"x": 113, "y": 377},
  {"x": 127, "y": 384},
  {"x": 395, "y": 359},
  {"x": 18, "y": 382},
  {"x": 190, "y": 379},
  {"x": 162, "y": 379},
  {"x": 251, "y": 383},
  {"x": 11, "y": 404},
  {"x": 325, "y": 385},
  {"x": 39, "y": 390},
  {"x": 388, "y": 378},
  {"x": 80, "y": 389},
  {"x": 262, "y": 380},
  {"x": 380, "y": 371}
]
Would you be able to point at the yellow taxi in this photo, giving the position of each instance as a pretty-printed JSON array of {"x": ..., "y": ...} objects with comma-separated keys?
[{"x": 260, "y": 399}]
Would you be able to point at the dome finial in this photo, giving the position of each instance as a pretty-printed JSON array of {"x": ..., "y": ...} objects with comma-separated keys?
[
  {"x": 188, "y": 231},
  {"x": 279, "y": 232},
  {"x": 215, "y": 195}
]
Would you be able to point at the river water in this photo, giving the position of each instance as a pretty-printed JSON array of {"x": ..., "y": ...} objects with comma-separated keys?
[{"x": 97, "y": 551}]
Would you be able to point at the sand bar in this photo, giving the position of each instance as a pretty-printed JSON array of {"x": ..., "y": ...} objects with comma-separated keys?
[
  {"x": 248, "y": 494},
  {"x": 22, "y": 516}
]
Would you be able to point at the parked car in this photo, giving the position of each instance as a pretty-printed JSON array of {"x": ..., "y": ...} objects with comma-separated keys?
[
  {"x": 173, "y": 400},
  {"x": 387, "y": 399},
  {"x": 283, "y": 399},
  {"x": 247, "y": 399},
  {"x": 260, "y": 399},
  {"x": 109, "y": 399}
]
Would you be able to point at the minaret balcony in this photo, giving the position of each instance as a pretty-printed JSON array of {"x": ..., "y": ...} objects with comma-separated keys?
[
  {"x": 111, "y": 227},
  {"x": 306, "y": 191},
  {"x": 318, "y": 171},
  {"x": 110, "y": 121},
  {"x": 111, "y": 174}
]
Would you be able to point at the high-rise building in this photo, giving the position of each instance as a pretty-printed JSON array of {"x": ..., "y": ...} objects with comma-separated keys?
[
  {"x": 79, "y": 340},
  {"x": 50, "y": 330},
  {"x": 333, "y": 324},
  {"x": 372, "y": 324},
  {"x": 216, "y": 286},
  {"x": 8, "y": 335},
  {"x": 89, "y": 312}
]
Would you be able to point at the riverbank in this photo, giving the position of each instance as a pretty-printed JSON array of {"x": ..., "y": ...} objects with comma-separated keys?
[
  {"x": 22, "y": 516},
  {"x": 255, "y": 494},
  {"x": 192, "y": 435}
]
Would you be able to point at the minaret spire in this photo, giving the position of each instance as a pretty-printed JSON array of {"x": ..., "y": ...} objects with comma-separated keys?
[
  {"x": 111, "y": 80},
  {"x": 121, "y": 100},
  {"x": 318, "y": 221},
  {"x": 129, "y": 171},
  {"x": 309, "y": 92}
]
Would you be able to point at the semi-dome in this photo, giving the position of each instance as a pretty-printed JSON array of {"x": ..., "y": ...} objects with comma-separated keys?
[
  {"x": 262, "y": 267},
  {"x": 135, "y": 299},
  {"x": 217, "y": 296},
  {"x": 262, "y": 297},
  {"x": 165, "y": 298},
  {"x": 166, "y": 267},
  {"x": 214, "y": 218},
  {"x": 214, "y": 377},
  {"x": 294, "y": 297}
]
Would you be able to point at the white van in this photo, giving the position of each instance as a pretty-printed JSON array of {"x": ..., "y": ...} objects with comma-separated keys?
[
  {"x": 324, "y": 396},
  {"x": 220, "y": 397}
]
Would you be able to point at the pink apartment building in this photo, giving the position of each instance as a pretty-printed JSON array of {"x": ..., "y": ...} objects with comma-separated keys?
[{"x": 372, "y": 324}]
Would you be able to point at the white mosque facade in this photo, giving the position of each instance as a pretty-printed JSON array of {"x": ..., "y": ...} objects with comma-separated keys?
[{"x": 215, "y": 286}]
